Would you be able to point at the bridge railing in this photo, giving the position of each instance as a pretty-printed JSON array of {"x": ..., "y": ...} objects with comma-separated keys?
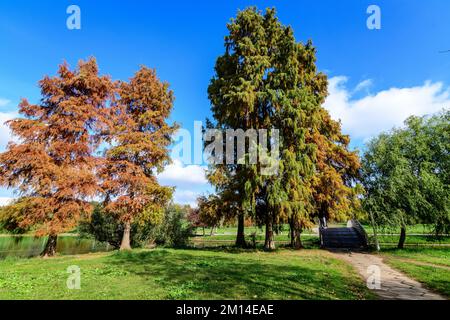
[{"x": 355, "y": 224}]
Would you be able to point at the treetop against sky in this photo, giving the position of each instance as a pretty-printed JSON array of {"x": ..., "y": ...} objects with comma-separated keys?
[{"x": 377, "y": 77}]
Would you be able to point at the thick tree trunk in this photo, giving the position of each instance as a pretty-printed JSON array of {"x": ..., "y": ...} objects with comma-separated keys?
[
  {"x": 269, "y": 243},
  {"x": 296, "y": 241},
  {"x": 50, "y": 246},
  {"x": 212, "y": 231},
  {"x": 240, "y": 237},
  {"x": 402, "y": 239},
  {"x": 291, "y": 231},
  {"x": 126, "y": 243}
]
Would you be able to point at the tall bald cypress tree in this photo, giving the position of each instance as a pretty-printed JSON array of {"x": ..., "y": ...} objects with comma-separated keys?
[
  {"x": 238, "y": 91},
  {"x": 52, "y": 166},
  {"x": 267, "y": 80},
  {"x": 141, "y": 138}
]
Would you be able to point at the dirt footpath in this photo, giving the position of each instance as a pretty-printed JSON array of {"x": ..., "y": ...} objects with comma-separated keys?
[{"x": 394, "y": 284}]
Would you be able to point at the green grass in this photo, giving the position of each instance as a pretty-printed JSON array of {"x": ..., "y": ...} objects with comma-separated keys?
[
  {"x": 414, "y": 229},
  {"x": 429, "y": 266},
  {"x": 228, "y": 238},
  {"x": 260, "y": 237},
  {"x": 185, "y": 274},
  {"x": 230, "y": 230},
  {"x": 413, "y": 240}
]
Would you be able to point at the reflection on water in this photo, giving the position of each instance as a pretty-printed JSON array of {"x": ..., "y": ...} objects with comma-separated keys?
[{"x": 28, "y": 246}]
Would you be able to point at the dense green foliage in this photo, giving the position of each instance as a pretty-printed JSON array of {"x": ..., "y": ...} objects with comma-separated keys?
[
  {"x": 11, "y": 216},
  {"x": 406, "y": 174},
  {"x": 173, "y": 231},
  {"x": 267, "y": 80},
  {"x": 104, "y": 227}
]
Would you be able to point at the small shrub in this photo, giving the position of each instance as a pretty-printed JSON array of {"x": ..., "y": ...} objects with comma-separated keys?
[{"x": 174, "y": 231}]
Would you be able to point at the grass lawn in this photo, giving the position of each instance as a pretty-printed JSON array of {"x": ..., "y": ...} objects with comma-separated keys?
[
  {"x": 259, "y": 237},
  {"x": 413, "y": 240},
  {"x": 415, "y": 229},
  {"x": 417, "y": 234},
  {"x": 185, "y": 274},
  {"x": 429, "y": 266},
  {"x": 228, "y": 230},
  {"x": 312, "y": 240}
]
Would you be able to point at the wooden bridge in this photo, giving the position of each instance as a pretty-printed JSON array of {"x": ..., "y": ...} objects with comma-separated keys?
[{"x": 351, "y": 237}]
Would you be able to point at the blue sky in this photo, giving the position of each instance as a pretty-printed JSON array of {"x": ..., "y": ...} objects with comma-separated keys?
[{"x": 377, "y": 77}]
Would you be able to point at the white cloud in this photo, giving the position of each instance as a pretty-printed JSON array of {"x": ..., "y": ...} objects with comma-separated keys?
[
  {"x": 5, "y": 201},
  {"x": 189, "y": 181},
  {"x": 4, "y": 102},
  {"x": 366, "y": 117},
  {"x": 179, "y": 175},
  {"x": 363, "y": 85},
  {"x": 5, "y": 133},
  {"x": 186, "y": 197}
]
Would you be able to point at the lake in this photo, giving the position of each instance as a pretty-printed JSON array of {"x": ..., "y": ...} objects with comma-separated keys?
[{"x": 29, "y": 246}]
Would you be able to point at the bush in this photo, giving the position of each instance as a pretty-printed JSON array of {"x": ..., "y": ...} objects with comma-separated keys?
[
  {"x": 103, "y": 227},
  {"x": 12, "y": 215},
  {"x": 174, "y": 231}
]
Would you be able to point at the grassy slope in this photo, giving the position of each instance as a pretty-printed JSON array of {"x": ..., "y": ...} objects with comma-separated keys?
[
  {"x": 429, "y": 266},
  {"x": 185, "y": 274}
]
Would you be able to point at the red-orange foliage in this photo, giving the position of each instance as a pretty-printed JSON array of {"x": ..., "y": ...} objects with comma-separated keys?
[
  {"x": 140, "y": 140},
  {"x": 334, "y": 186},
  {"x": 56, "y": 166},
  {"x": 53, "y": 162}
]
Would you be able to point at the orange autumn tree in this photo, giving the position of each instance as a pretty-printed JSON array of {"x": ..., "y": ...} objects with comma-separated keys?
[
  {"x": 334, "y": 185},
  {"x": 138, "y": 150},
  {"x": 52, "y": 164}
]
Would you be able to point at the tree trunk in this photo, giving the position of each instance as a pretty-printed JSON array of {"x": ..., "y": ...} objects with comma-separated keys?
[
  {"x": 203, "y": 231},
  {"x": 126, "y": 244},
  {"x": 269, "y": 243},
  {"x": 291, "y": 232},
  {"x": 212, "y": 231},
  {"x": 240, "y": 237},
  {"x": 50, "y": 246},
  {"x": 296, "y": 241},
  {"x": 402, "y": 239}
]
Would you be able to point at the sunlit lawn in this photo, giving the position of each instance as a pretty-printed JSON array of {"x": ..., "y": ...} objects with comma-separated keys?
[{"x": 185, "y": 274}]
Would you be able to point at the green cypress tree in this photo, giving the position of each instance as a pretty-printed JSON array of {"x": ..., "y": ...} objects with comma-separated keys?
[{"x": 267, "y": 80}]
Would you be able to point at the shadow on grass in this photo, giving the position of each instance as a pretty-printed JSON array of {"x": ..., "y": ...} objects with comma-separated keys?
[
  {"x": 200, "y": 274},
  {"x": 231, "y": 248}
]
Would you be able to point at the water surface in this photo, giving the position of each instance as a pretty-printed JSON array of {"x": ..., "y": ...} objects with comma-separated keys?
[{"x": 29, "y": 246}]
